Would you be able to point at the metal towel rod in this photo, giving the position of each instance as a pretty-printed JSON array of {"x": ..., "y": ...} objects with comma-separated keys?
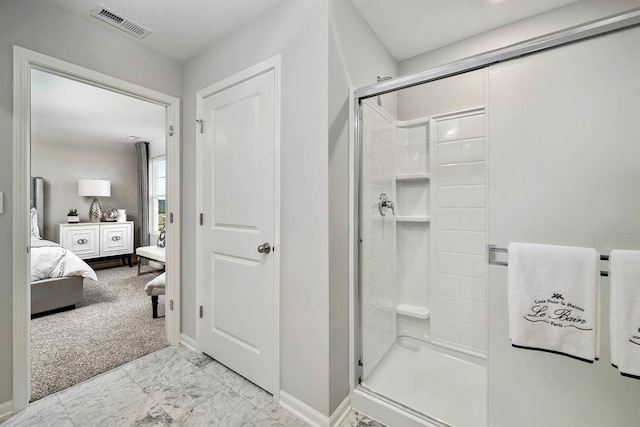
[{"x": 491, "y": 249}]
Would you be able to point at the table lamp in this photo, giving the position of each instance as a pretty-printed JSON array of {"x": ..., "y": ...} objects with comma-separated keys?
[{"x": 94, "y": 188}]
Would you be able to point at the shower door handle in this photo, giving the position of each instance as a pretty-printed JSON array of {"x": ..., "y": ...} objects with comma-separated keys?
[{"x": 264, "y": 248}]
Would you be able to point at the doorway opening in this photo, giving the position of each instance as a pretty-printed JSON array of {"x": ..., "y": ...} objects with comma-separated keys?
[
  {"x": 104, "y": 241},
  {"x": 87, "y": 140}
]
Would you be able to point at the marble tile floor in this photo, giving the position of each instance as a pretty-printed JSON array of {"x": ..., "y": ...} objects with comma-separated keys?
[{"x": 173, "y": 386}]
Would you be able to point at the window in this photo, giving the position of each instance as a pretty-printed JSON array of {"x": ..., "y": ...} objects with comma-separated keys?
[{"x": 158, "y": 193}]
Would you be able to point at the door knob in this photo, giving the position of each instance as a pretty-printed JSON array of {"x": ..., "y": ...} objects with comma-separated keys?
[{"x": 264, "y": 248}]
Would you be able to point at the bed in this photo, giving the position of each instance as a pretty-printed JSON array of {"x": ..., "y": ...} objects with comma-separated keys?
[{"x": 56, "y": 273}]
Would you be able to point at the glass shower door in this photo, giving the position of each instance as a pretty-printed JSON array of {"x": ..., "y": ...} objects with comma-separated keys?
[
  {"x": 571, "y": 180},
  {"x": 378, "y": 234}
]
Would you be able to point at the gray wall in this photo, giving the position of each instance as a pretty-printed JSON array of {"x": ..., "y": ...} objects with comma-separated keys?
[
  {"x": 564, "y": 169},
  {"x": 356, "y": 57},
  {"x": 61, "y": 166},
  {"x": 457, "y": 93},
  {"x": 35, "y": 26},
  {"x": 298, "y": 31}
]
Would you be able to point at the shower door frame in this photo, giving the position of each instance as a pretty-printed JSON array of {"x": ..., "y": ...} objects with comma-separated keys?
[{"x": 559, "y": 38}]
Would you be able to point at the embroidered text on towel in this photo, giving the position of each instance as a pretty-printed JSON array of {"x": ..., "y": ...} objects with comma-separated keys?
[{"x": 558, "y": 313}]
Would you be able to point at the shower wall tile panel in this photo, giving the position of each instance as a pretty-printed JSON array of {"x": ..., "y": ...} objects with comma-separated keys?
[
  {"x": 459, "y": 317},
  {"x": 449, "y": 152},
  {"x": 473, "y": 150},
  {"x": 470, "y": 312},
  {"x": 448, "y": 130},
  {"x": 465, "y": 288},
  {"x": 378, "y": 245},
  {"x": 472, "y": 127}
]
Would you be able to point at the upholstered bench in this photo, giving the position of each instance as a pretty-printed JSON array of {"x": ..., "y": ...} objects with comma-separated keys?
[
  {"x": 155, "y": 288},
  {"x": 152, "y": 253}
]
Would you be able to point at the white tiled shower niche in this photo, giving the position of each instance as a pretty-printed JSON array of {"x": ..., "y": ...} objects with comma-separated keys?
[
  {"x": 423, "y": 272},
  {"x": 413, "y": 216}
]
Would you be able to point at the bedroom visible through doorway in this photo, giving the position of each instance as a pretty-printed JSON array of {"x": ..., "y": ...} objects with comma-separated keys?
[{"x": 94, "y": 152}]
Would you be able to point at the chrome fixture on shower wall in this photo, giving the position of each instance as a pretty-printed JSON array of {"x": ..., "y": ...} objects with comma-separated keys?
[
  {"x": 380, "y": 80},
  {"x": 384, "y": 203}
]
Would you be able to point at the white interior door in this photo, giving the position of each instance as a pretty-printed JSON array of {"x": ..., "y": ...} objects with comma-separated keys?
[{"x": 238, "y": 196}]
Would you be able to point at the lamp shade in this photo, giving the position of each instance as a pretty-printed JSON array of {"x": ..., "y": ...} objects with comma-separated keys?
[{"x": 94, "y": 187}]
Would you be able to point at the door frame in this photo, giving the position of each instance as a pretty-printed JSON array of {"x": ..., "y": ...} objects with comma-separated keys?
[
  {"x": 275, "y": 64},
  {"x": 24, "y": 61}
]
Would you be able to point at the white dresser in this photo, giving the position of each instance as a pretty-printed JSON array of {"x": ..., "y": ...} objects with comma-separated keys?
[{"x": 91, "y": 240}]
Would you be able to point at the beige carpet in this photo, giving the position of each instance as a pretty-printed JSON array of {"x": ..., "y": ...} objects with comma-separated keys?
[{"x": 112, "y": 326}]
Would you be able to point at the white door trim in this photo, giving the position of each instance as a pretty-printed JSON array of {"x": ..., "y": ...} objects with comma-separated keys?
[
  {"x": 263, "y": 67},
  {"x": 24, "y": 61}
]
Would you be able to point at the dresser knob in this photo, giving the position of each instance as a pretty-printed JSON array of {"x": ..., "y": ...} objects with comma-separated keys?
[{"x": 116, "y": 238}]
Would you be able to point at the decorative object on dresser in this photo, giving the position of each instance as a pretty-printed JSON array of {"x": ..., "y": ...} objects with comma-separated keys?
[
  {"x": 94, "y": 188},
  {"x": 72, "y": 216},
  {"x": 122, "y": 215},
  {"x": 100, "y": 240},
  {"x": 110, "y": 214}
]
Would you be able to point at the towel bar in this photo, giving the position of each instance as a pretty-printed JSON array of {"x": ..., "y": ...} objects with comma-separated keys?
[{"x": 491, "y": 249}]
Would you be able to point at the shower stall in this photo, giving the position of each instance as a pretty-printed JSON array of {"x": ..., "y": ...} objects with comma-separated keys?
[
  {"x": 421, "y": 238},
  {"x": 430, "y": 338}
]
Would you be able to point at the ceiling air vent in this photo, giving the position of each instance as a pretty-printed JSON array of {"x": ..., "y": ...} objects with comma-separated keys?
[{"x": 107, "y": 15}]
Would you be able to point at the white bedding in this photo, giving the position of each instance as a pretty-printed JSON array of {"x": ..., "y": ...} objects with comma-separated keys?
[{"x": 49, "y": 259}]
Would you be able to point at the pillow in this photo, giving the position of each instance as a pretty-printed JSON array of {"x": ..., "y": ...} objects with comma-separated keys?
[
  {"x": 35, "y": 230},
  {"x": 161, "y": 238}
]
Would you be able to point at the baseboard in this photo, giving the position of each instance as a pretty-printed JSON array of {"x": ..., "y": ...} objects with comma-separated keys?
[
  {"x": 303, "y": 411},
  {"x": 188, "y": 342},
  {"x": 311, "y": 416},
  {"x": 6, "y": 410},
  {"x": 340, "y": 413}
]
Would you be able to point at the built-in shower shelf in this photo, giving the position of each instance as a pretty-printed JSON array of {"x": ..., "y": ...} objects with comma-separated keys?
[
  {"x": 413, "y": 218},
  {"x": 415, "y": 311},
  {"x": 413, "y": 177}
]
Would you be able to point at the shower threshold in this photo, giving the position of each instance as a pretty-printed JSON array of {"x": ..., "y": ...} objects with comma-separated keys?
[{"x": 420, "y": 376}]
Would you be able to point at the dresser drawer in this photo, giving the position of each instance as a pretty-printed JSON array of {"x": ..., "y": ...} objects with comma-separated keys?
[
  {"x": 116, "y": 239},
  {"x": 97, "y": 240},
  {"x": 81, "y": 240}
]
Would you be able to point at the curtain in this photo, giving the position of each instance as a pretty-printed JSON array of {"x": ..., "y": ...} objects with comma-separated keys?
[{"x": 142, "y": 151}]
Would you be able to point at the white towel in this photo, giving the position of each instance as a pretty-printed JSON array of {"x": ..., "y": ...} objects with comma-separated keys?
[
  {"x": 554, "y": 299},
  {"x": 624, "y": 323}
]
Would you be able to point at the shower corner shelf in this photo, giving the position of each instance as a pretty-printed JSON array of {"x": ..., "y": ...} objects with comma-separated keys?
[
  {"x": 413, "y": 311},
  {"x": 413, "y": 176},
  {"x": 413, "y": 218}
]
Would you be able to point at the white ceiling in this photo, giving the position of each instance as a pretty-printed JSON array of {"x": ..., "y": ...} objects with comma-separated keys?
[
  {"x": 410, "y": 27},
  {"x": 179, "y": 28},
  {"x": 65, "y": 111}
]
